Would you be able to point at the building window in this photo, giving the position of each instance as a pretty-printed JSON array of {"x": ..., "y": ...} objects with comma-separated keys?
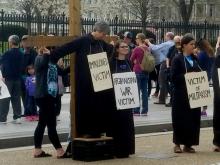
[
  {"x": 200, "y": 10},
  {"x": 211, "y": 10},
  {"x": 156, "y": 13},
  {"x": 162, "y": 12}
]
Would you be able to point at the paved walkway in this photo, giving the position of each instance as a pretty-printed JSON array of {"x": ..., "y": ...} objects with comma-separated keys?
[
  {"x": 158, "y": 115},
  {"x": 151, "y": 149}
]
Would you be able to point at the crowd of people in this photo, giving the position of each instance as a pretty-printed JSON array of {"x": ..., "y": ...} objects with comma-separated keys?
[{"x": 37, "y": 76}]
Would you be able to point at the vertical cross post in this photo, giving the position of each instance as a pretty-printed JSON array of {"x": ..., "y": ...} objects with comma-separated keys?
[{"x": 74, "y": 26}]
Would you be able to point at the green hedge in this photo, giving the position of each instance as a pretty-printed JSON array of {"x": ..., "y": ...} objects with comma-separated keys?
[{"x": 8, "y": 30}]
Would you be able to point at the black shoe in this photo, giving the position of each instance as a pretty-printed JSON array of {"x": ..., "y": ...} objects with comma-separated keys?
[
  {"x": 159, "y": 102},
  {"x": 168, "y": 105}
]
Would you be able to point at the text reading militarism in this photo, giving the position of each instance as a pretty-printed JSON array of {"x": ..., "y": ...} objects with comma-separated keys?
[{"x": 198, "y": 94}]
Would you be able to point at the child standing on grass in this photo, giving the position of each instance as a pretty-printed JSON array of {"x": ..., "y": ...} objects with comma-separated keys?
[{"x": 30, "y": 104}]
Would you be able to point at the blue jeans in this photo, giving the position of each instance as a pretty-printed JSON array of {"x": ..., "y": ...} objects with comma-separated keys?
[{"x": 142, "y": 81}]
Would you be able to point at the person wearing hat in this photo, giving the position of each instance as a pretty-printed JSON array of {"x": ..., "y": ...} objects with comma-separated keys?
[
  {"x": 12, "y": 66},
  {"x": 185, "y": 120},
  {"x": 128, "y": 37}
]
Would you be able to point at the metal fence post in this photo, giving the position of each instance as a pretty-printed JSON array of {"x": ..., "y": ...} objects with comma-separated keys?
[
  {"x": 2, "y": 28},
  {"x": 162, "y": 30},
  {"x": 116, "y": 25},
  {"x": 63, "y": 28},
  {"x": 205, "y": 33}
]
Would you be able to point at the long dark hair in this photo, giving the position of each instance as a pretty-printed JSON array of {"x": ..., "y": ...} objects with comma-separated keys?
[{"x": 205, "y": 46}]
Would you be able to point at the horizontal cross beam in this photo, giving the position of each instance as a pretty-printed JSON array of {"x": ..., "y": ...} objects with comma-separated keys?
[{"x": 44, "y": 41}]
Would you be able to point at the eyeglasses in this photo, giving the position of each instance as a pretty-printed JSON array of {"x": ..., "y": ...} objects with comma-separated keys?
[{"x": 123, "y": 46}]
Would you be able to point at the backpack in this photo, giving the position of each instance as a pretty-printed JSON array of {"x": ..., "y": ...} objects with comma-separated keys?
[{"x": 148, "y": 62}]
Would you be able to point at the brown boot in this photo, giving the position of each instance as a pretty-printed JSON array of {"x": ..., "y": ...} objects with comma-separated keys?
[
  {"x": 188, "y": 149},
  {"x": 177, "y": 149}
]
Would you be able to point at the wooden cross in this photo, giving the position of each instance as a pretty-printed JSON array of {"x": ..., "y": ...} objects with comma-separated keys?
[{"x": 74, "y": 26}]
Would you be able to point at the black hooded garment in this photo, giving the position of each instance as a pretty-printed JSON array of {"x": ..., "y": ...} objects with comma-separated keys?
[
  {"x": 186, "y": 121},
  {"x": 93, "y": 109}
]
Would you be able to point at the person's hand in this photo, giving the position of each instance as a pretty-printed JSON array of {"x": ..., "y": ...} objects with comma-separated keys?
[
  {"x": 43, "y": 51},
  {"x": 147, "y": 41}
]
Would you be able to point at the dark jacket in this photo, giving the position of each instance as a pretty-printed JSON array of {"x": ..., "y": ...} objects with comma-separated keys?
[
  {"x": 216, "y": 114},
  {"x": 29, "y": 58},
  {"x": 12, "y": 64}
]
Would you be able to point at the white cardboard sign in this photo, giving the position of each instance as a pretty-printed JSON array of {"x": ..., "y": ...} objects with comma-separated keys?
[
  {"x": 100, "y": 71},
  {"x": 197, "y": 84},
  {"x": 126, "y": 90},
  {"x": 219, "y": 76},
  {"x": 4, "y": 93}
]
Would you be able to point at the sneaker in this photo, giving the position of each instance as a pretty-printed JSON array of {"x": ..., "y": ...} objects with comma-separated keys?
[
  {"x": 17, "y": 121},
  {"x": 136, "y": 114},
  {"x": 28, "y": 118},
  {"x": 203, "y": 114},
  {"x": 155, "y": 94},
  {"x": 35, "y": 118},
  {"x": 168, "y": 105},
  {"x": 144, "y": 114},
  {"x": 3, "y": 122}
]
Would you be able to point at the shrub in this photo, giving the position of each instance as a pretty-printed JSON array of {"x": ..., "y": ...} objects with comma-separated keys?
[{"x": 8, "y": 30}]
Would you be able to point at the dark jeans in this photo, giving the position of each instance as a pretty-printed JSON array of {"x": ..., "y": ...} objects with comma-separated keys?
[
  {"x": 23, "y": 90},
  {"x": 30, "y": 106},
  {"x": 157, "y": 68},
  {"x": 3, "y": 109},
  {"x": 163, "y": 82},
  {"x": 58, "y": 105},
  {"x": 14, "y": 87},
  {"x": 142, "y": 80},
  {"x": 47, "y": 117}
]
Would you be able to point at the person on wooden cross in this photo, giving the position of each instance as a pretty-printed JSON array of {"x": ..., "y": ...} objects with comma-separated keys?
[{"x": 92, "y": 108}]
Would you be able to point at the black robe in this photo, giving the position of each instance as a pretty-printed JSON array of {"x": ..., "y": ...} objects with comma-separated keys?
[
  {"x": 92, "y": 108},
  {"x": 123, "y": 125},
  {"x": 185, "y": 121},
  {"x": 216, "y": 114}
]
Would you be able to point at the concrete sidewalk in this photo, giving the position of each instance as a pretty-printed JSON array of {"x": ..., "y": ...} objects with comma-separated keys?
[
  {"x": 151, "y": 149},
  {"x": 158, "y": 120}
]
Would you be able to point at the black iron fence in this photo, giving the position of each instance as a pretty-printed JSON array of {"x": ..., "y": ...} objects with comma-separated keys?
[{"x": 58, "y": 25}]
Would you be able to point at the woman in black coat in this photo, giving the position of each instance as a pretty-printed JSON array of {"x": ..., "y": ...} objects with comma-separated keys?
[
  {"x": 186, "y": 121},
  {"x": 123, "y": 125},
  {"x": 216, "y": 115}
]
